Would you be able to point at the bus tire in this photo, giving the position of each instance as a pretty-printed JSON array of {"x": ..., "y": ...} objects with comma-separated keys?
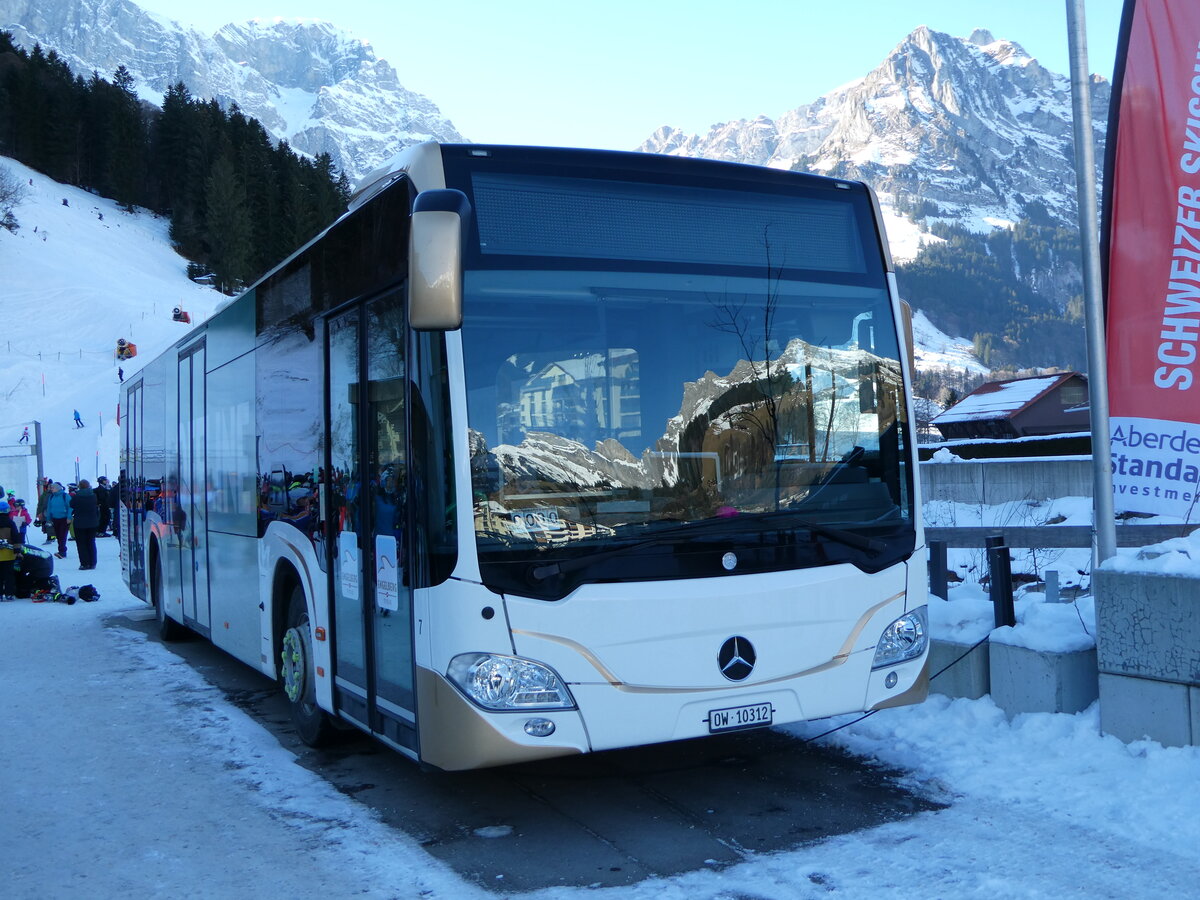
[
  {"x": 297, "y": 672},
  {"x": 169, "y": 631}
]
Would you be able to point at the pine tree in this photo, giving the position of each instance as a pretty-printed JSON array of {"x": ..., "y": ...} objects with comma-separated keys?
[
  {"x": 128, "y": 129},
  {"x": 227, "y": 225}
]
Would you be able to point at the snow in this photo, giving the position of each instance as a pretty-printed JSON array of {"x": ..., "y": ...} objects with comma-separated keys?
[
  {"x": 937, "y": 350},
  {"x": 295, "y": 106},
  {"x": 905, "y": 237},
  {"x": 1178, "y": 556},
  {"x": 1051, "y": 627},
  {"x": 943, "y": 455},
  {"x": 130, "y": 775}
]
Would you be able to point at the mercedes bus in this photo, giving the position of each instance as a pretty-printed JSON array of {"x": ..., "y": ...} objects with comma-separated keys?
[{"x": 540, "y": 451}]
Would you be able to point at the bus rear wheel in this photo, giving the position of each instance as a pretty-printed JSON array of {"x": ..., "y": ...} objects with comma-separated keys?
[{"x": 298, "y": 674}]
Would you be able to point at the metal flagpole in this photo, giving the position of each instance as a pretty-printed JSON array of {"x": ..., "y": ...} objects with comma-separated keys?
[
  {"x": 1104, "y": 524},
  {"x": 37, "y": 439}
]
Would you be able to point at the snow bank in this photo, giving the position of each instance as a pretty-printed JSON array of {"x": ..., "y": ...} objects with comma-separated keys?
[
  {"x": 945, "y": 456},
  {"x": 1177, "y": 556},
  {"x": 1048, "y": 627}
]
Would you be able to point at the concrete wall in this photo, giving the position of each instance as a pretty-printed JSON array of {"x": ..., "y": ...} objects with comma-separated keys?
[
  {"x": 1002, "y": 481},
  {"x": 1148, "y": 655}
]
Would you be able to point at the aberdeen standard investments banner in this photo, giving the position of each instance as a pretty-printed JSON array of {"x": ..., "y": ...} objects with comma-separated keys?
[{"x": 1152, "y": 244}]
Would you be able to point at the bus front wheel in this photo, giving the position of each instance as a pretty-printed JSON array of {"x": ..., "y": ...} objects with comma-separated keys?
[{"x": 298, "y": 674}]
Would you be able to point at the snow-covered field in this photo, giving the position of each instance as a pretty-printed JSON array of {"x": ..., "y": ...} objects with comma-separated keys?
[{"x": 127, "y": 774}]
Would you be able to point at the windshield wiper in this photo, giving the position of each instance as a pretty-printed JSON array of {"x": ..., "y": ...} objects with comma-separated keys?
[
  {"x": 549, "y": 570},
  {"x": 849, "y": 538}
]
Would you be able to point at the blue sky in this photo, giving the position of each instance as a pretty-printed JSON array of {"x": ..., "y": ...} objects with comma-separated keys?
[{"x": 608, "y": 74}]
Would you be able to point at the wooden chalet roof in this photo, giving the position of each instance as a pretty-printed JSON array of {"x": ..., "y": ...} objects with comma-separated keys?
[{"x": 1002, "y": 399}]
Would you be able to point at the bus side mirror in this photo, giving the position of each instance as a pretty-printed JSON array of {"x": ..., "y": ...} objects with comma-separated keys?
[{"x": 435, "y": 260}]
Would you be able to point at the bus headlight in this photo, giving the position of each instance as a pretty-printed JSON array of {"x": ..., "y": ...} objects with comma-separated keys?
[
  {"x": 904, "y": 639},
  {"x": 508, "y": 682}
]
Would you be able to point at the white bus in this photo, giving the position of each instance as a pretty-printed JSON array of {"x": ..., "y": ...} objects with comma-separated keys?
[{"x": 541, "y": 451}]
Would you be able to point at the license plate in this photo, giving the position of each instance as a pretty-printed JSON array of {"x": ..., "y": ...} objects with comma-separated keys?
[{"x": 753, "y": 716}]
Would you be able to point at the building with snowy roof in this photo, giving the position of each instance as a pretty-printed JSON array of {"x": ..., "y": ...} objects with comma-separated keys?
[{"x": 1020, "y": 407}]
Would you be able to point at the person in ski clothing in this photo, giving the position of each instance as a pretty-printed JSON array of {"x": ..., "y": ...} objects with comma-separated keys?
[
  {"x": 58, "y": 512},
  {"x": 78, "y": 420},
  {"x": 39, "y": 516},
  {"x": 11, "y": 539},
  {"x": 20, "y": 516},
  {"x": 86, "y": 513},
  {"x": 102, "y": 501},
  {"x": 40, "y": 519},
  {"x": 24, "y": 436}
]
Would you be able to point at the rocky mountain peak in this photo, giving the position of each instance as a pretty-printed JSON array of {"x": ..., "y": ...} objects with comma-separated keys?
[
  {"x": 295, "y": 53},
  {"x": 969, "y": 131},
  {"x": 981, "y": 37}
]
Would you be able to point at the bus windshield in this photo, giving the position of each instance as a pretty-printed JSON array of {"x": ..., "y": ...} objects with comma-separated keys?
[{"x": 694, "y": 395}]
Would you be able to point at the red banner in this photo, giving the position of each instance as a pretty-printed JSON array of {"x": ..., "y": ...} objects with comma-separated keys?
[{"x": 1152, "y": 237}]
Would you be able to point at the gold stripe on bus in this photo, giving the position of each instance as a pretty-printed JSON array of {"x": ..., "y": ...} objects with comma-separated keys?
[{"x": 836, "y": 660}]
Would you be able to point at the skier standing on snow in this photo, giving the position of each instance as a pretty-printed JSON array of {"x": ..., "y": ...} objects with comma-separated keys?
[
  {"x": 41, "y": 520},
  {"x": 102, "y": 501},
  {"x": 58, "y": 511},
  {"x": 78, "y": 421},
  {"x": 87, "y": 520}
]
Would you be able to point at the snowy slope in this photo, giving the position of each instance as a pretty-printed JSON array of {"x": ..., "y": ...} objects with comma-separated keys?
[
  {"x": 76, "y": 278},
  {"x": 937, "y": 350}
]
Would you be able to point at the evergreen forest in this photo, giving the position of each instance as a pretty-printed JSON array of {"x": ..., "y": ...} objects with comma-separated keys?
[
  {"x": 1017, "y": 293},
  {"x": 238, "y": 203}
]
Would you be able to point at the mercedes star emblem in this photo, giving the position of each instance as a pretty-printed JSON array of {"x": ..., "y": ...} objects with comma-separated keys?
[{"x": 736, "y": 659}]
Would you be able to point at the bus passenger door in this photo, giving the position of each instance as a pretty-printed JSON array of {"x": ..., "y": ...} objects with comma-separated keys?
[
  {"x": 131, "y": 484},
  {"x": 373, "y": 631},
  {"x": 190, "y": 506}
]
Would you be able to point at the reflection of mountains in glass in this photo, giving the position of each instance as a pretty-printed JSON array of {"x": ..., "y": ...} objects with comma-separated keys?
[{"x": 564, "y": 419}]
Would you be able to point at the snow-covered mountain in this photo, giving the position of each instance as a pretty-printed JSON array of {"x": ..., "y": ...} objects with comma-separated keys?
[
  {"x": 309, "y": 83},
  {"x": 971, "y": 131}
]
